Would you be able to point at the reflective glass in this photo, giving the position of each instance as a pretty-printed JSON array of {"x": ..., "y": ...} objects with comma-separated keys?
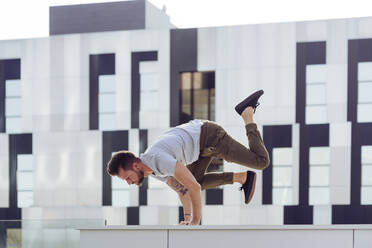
[
  {"x": 149, "y": 82},
  {"x": 107, "y": 83},
  {"x": 25, "y": 180},
  {"x": 365, "y": 112},
  {"x": 13, "y": 106},
  {"x": 367, "y": 175},
  {"x": 366, "y": 195},
  {"x": 107, "y": 121},
  {"x": 118, "y": 183},
  {"x": 25, "y": 199},
  {"x": 201, "y": 104},
  {"x": 282, "y": 196},
  {"x": 316, "y": 114},
  {"x": 120, "y": 198},
  {"x": 319, "y": 175},
  {"x": 13, "y": 88},
  {"x": 13, "y": 124},
  {"x": 365, "y": 92},
  {"x": 185, "y": 82},
  {"x": 107, "y": 103},
  {"x": 366, "y": 154},
  {"x": 282, "y": 176},
  {"x": 25, "y": 162},
  {"x": 316, "y": 73},
  {"x": 282, "y": 156},
  {"x": 320, "y": 155},
  {"x": 149, "y": 101},
  {"x": 364, "y": 71},
  {"x": 319, "y": 195},
  {"x": 316, "y": 94}
]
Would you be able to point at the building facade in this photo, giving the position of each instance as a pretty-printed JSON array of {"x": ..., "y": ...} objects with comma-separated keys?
[{"x": 68, "y": 101}]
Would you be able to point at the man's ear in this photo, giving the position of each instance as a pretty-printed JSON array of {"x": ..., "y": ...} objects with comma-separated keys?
[{"x": 136, "y": 165}]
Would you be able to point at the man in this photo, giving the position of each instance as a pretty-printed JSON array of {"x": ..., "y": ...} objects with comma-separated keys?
[{"x": 194, "y": 144}]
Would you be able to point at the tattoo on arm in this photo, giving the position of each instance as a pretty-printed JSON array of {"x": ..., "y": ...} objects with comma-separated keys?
[{"x": 178, "y": 186}]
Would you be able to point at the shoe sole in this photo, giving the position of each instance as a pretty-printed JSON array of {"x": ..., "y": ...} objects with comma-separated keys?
[
  {"x": 239, "y": 108},
  {"x": 253, "y": 188}
]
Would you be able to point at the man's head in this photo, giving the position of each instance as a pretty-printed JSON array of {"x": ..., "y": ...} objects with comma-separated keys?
[{"x": 126, "y": 166}]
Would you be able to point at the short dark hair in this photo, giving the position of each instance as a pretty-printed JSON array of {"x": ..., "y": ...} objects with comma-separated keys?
[{"x": 123, "y": 159}]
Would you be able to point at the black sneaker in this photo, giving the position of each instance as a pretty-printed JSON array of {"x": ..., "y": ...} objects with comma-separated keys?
[
  {"x": 249, "y": 186},
  {"x": 250, "y": 101}
]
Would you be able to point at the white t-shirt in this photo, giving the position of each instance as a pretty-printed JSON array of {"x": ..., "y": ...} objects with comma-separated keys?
[{"x": 180, "y": 143}]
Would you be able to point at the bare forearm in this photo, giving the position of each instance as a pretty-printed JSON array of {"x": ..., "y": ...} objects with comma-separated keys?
[
  {"x": 187, "y": 206},
  {"x": 195, "y": 195}
]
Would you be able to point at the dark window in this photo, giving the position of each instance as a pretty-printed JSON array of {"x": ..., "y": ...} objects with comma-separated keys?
[
  {"x": 197, "y": 96},
  {"x": 197, "y": 101}
]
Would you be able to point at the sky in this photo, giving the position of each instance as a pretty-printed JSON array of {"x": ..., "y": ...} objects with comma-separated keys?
[{"x": 30, "y": 18}]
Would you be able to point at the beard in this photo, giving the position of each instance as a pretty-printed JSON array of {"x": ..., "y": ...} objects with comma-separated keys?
[{"x": 141, "y": 177}]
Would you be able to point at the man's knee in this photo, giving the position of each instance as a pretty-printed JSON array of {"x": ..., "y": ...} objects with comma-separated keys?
[{"x": 263, "y": 162}]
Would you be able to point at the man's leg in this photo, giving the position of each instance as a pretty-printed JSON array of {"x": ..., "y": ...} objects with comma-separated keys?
[{"x": 212, "y": 179}]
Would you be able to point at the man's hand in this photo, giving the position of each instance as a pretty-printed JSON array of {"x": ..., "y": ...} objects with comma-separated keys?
[{"x": 184, "y": 176}]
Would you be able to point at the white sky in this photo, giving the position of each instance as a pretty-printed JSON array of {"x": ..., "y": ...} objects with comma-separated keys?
[{"x": 30, "y": 18}]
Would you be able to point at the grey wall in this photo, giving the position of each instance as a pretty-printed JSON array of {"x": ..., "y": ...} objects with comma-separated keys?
[{"x": 98, "y": 17}]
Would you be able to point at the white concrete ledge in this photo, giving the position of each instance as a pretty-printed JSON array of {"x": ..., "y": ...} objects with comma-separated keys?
[{"x": 175, "y": 236}]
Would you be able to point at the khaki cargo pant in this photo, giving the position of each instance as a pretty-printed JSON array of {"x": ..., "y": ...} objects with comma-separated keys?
[{"x": 216, "y": 142}]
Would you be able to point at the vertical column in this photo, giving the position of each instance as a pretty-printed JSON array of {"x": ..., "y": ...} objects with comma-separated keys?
[{"x": 307, "y": 53}]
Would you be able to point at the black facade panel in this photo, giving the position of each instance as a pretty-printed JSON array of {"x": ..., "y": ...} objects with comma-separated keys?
[
  {"x": 183, "y": 58},
  {"x": 298, "y": 215},
  {"x": 9, "y": 69},
  {"x": 307, "y": 53},
  {"x": 111, "y": 141},
  {"x": 138, "y": 57},
  {"x": 145, "y": 185},
  {"x": 214, "y": 196},
  {"x": 132, "y": 215},
  {"x": 97, "y": 17},
  {"x": 100, "y": 64},
  {"x": 274, "y": 137}
]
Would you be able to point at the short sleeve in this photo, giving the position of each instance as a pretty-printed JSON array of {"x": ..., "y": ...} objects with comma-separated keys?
[{"x": 166, "y": 164}]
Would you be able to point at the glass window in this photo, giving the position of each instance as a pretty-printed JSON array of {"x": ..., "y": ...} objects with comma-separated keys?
[
  {"x": 282, "y": 176},
  {"x": 25, "y": 199},
  {"x": 150, "y": 82},
  {"x": 316, "y": 94},
  {"x": 365, "y": 92},
  {"x": 149, "y": 100},
  {"x": 316, "y": 73},
  {"x": 320, "y": 156},
  {"x": 117, "y": 183},
  {"x": 282, "y": 156},
  {"x": 367, "y": 175},
  {"x": 107, "y": 121},
  {"x": 366, "y": 154},
  {"x": 107, "y": 103},
  {"x": 282, "y": 196},
  {"x": 25, "y": 180},
  {"x": 197, "y": 96},
  {"x": 107, "y": 83},
  {"x": 13, "y": 88},
  {"x": 366, "y": 195},
  {"x": 13, "y": 124},
  {"x": 319, "y": 195},
  {"x": 364, "y": 71},
  {"x": 120, "y": 198},
  {"x": 13, "y": 106},
  {"x": 365, "y": 112},
  {"x": 316, "y": 114},
  {"x": 319, "y": 175},
  {"x": 24, "y": 162}
]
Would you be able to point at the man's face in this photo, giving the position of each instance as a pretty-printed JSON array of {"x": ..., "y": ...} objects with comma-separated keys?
[{"x": 132, "y": 176}]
